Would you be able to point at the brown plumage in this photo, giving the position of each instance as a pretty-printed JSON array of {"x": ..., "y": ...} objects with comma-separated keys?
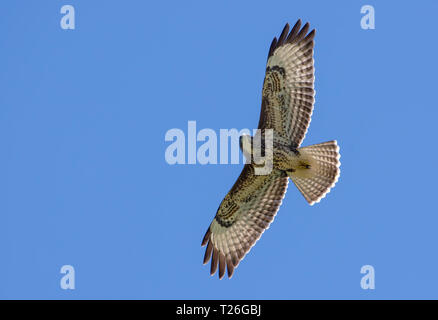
[{"x": 287, "y": 105}]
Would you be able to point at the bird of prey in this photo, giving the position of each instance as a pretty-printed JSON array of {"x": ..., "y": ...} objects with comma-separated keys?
[{"x": 287, "y": 105}]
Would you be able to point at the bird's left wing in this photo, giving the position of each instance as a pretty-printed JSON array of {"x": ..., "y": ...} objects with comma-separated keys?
[
  {"x": 288, "y": 90},
  {"x": 244, "y": 214}
]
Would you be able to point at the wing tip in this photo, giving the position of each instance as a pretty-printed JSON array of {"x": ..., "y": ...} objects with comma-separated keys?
[
  {"x": 206, "y": 237},
  {"x": 296, "y": 35},
  {"x": 283, "y": 35},
  {"x": 230, "y": 267},
  {"x": 214, "y": 262},
  {"x": 221, "y": 265},
  {"x": 208, "y": 252}
]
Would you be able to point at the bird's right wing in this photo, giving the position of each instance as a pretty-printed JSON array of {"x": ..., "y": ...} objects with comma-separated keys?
[{"x": 244, "y": 214}]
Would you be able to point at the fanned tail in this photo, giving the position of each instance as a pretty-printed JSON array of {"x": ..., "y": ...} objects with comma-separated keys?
[{"x": 319, "y": 170}]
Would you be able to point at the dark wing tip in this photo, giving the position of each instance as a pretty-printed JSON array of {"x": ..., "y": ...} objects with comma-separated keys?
[
  {"x": 294, "y": 36},
  {"x": 230, "y": 268},
  {"x": 310, "y": 36},
  {"x": 206, "y": 237},
  {"x": 218, "y": 260},
  {"x": 272, "y": 47},
  {"x": 302, "y": 33},
  {"x": 221, "y": 265},
  {"x": 208, "y": 252},
  {"x": 283, "y": 35},
  {"x": 294, "y": 31},
  {"x": 214, "y": 262}
]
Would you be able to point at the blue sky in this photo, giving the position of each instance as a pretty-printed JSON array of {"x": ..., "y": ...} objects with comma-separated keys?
[{"x": 84, "y": 182}]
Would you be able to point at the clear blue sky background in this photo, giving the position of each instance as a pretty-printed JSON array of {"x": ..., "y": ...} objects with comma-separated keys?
[{"x": 83, "y": 179}]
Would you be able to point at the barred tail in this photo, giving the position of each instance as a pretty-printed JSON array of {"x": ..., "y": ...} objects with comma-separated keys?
[{"x": 319, "y": 170}]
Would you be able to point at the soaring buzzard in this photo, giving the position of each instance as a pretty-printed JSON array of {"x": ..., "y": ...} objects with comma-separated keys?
[{"x": 287, "y": 105}]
